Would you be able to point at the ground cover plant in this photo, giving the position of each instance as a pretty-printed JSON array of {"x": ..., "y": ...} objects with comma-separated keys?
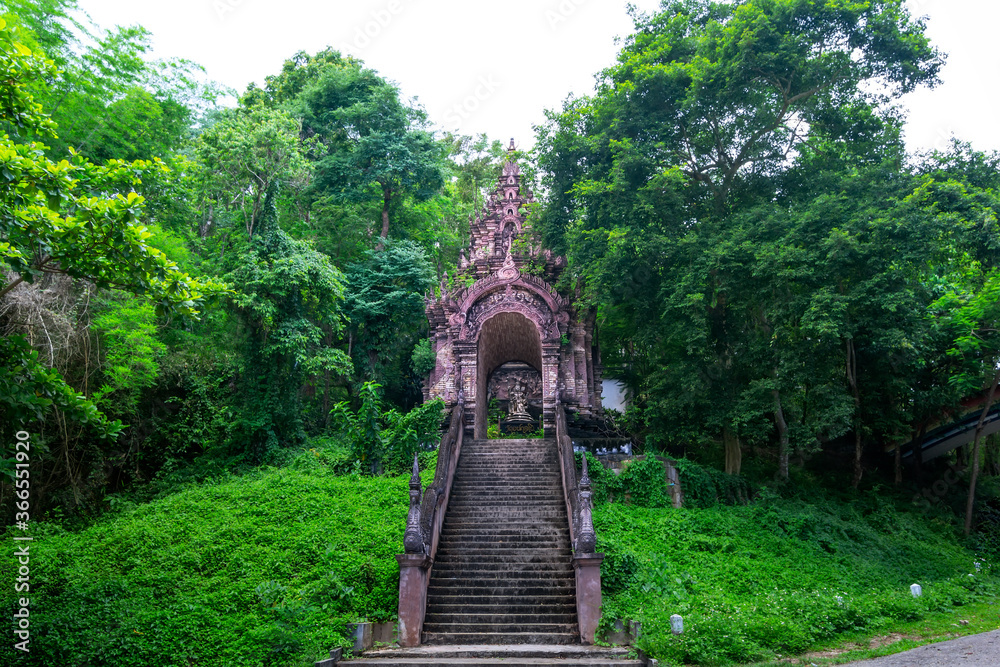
[
  {"x": 973, "y": 618},
  {"x": 263, "y": 569},
  {"x": 777, "y": 575}
]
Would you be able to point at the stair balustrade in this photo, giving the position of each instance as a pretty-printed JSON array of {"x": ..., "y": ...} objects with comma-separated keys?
[
  {"x": 587, "y": 563},
  {"x": 423, "y": 530}
]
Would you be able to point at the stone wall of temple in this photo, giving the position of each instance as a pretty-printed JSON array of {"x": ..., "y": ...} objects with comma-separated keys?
[{"x": 510, "y": 312}]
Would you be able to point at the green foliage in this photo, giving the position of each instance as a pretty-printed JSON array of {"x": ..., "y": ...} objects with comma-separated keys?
[
  {"x": 385, "y": 306},
  {"x": 266, "y": 569},
  {"x": 641, "y": 482},
  {"x": 753, "y": 581},
  {"x": 386, "y": 440},
  {"x": 290, "y": 302},
  {"x": 704, "y": 486},
  {"x": 373, "y": 147},
  {"x": 246, "y": 153},
  {"x": 75, "y": 218},
  {"x": 127, "y": 331},
  {"x": 423, "y": 359},
  {"x": 58, "y": 217},
  {"x": 108, "y": 99},
  {"x": 30, "y": 391}
]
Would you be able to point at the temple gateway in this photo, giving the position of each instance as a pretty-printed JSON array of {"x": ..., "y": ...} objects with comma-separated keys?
[
  {"x": 504, "y": 325},
  {"x": 500, "y": 548}
]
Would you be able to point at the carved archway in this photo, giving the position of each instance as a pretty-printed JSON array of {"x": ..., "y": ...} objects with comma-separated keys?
[
  {"x": 497, "y": 311},
  {"x": 505, "y": 336}
]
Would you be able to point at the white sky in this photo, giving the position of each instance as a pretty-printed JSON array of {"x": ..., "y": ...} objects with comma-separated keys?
[{"x": 494, "y": 67}]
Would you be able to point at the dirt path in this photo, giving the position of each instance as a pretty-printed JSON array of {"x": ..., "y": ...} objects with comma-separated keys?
[{"x": 982, "y": 650}]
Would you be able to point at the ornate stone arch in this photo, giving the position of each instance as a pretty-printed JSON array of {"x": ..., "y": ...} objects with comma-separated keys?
[{"x": 506, "y": 315}]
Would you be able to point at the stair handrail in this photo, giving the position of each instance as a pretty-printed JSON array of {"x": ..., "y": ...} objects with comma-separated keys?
[
  {"x": 576, "y": 492},
  {"x": 426, "y": 516},
  {"x": 586, "y": 562},
  {"x": 423, "y": 530}
]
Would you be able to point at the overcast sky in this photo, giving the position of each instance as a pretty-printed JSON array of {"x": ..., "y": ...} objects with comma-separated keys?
[{"x": 494, "y": 67}]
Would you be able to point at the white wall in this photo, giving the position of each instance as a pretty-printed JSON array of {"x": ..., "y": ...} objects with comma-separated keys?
[{"x": 613, "y": 395}]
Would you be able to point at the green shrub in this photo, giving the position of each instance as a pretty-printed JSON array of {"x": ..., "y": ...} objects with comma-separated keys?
[
  {"x": 775, "y": 577},
  {"x": 265, "y": 569}
]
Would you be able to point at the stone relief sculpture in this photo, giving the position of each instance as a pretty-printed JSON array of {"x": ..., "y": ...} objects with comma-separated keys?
[{"x": 517, "y": 402}]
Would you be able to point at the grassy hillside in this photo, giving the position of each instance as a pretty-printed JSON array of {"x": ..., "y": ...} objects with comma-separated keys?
[
  {"x": 777, "y": 576},
  {"x": 264, "y": 569},
  {"x": 268, "y": 568}
]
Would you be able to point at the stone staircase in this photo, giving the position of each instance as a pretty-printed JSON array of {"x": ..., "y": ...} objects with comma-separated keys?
[
  {"x": 502, "y": 590},
  {"x": 503, "y": 572}
]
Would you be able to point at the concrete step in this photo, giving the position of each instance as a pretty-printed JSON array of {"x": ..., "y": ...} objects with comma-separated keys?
[
  {"x": 471, "y": 535},
  {"x": 527, "y": 559},
  {"x": 528, "y": 588},
  {"x": 566, "y": 607},
  {"x": 550, "y": 598},
  {"x": 526, "y": 636},
  {"x": 498, "y": 573},
  {"x": 503, "y": 652},
  {"x": 456, "y": 544},
  {"x": 473, "y": 503},
  {"x": 501, "y": 628},
  {"x": 495, "y": 514},
  {"x": 503, "y": 580},
  {"x": 507, "y": 655},
  {"x": 501, "y": 618},
  {"x": 493, "y": 662},
  {"x": 520, "y": 524}
]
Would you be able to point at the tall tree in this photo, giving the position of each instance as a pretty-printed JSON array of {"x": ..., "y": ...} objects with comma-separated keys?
[
  {"x": 696, "y": 192},
  {"x": 67, "y": 218},
  {"x": 375, "y": 147}
]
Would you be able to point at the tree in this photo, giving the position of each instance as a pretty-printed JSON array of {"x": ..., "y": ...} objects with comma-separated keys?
[
  {"x": 374, "y": 146},
  {"x": 244, "y": 154},
  {"x": 386, "y": 440},
  {"x": 74, "y": 218},
  {"x": 385, "y": 306},
  {"x": 289, "y": 300},
  {"x": 104, "y": 85},
  {"x": 697, "y": 192}
]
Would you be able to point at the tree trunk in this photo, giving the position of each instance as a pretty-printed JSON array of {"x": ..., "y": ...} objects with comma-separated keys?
[
  {"x": 852, "y": 381},
  {"x": 384, "y": 234},
  {"x": 918, "y": 453},
  {"x": 779, "y": 418},
  {"x": 734, "y": 454},
  {"x": 898, "y": 463},
  {"x": 975, "y": 452}
]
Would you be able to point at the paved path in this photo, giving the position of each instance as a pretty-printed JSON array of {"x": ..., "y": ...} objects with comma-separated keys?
[{"x": 982, "y": 650}]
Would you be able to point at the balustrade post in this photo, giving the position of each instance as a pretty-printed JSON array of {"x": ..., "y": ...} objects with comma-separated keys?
[
  {"x": 587, "y": 565},
  {"x": 414, "y": 568}
]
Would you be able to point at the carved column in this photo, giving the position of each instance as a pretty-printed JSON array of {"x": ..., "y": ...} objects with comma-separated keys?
[
  {"x": 413, "y": 572},
  {"x": 587, "y": 565},
  {"x": 550, "y": 385},
  {"x": 414, "y": 567},
  {"x": 466, "y": 363}
]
